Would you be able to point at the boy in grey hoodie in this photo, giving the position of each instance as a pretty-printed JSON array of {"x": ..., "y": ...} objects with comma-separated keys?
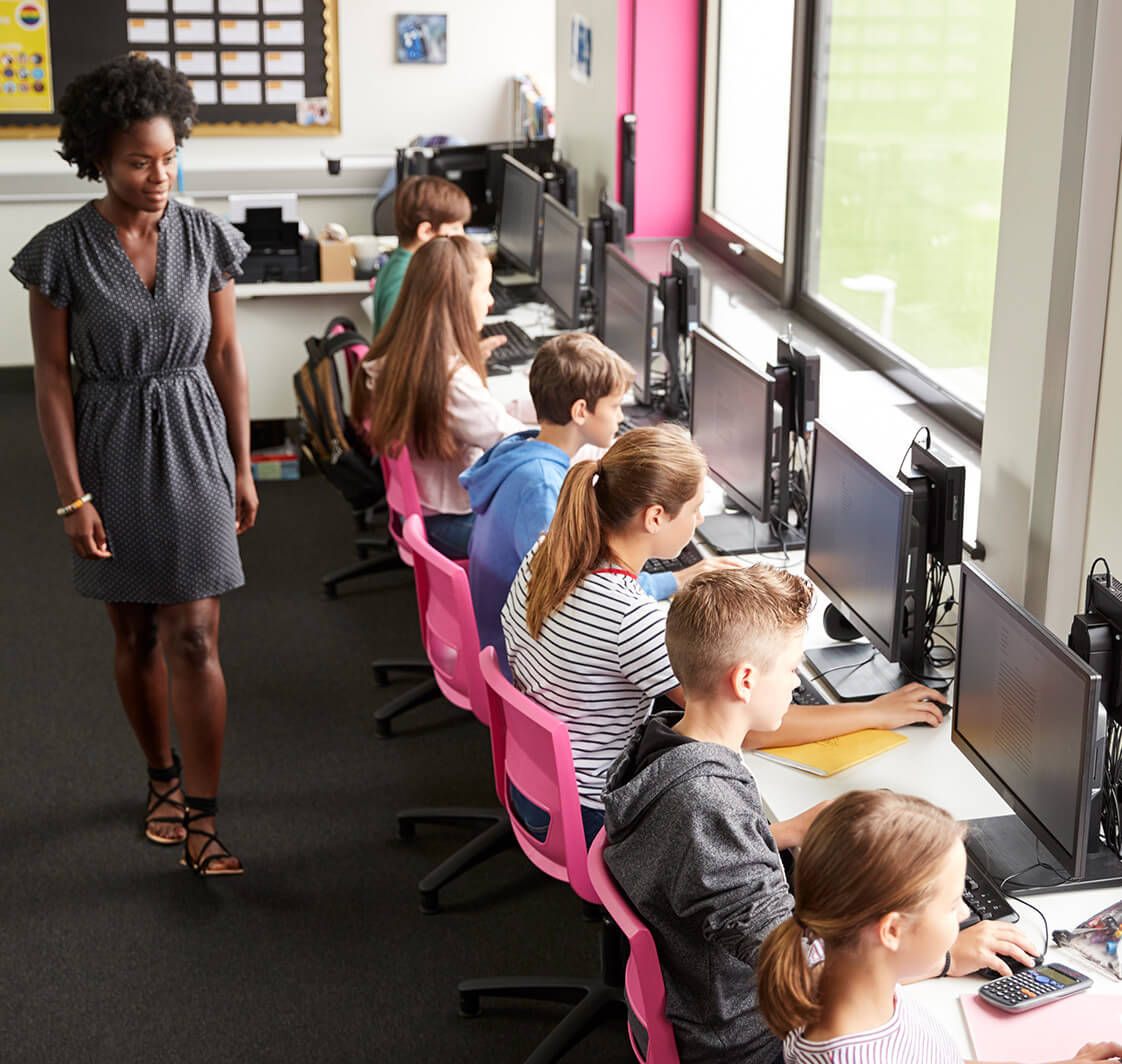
[{"x": 688, "y": 840}]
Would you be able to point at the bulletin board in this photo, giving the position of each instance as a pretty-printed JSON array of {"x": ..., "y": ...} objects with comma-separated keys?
[{"x": 257, "y": 67}]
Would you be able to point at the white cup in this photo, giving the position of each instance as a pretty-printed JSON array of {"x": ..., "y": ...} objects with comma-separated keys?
[{"x": 366, "y": 249}]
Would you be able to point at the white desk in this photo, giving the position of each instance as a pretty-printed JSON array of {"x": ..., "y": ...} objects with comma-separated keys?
[
  {"x": 929, "y": 765},
  {"x": 274, "y": 319}
]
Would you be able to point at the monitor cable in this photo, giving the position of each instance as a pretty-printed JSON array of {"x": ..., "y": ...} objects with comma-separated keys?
[{"x": 1111, "y": 821}]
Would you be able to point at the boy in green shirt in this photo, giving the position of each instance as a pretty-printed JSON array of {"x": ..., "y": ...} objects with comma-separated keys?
[{"x": 423, "y": 207}]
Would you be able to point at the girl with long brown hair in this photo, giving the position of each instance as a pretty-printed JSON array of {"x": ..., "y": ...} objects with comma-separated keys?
[
  {"x": 878, "y": 882},
  {"x": 424, "y": 382}
]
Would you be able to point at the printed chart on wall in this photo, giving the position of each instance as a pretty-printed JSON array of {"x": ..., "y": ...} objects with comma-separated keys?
[
  {"x": 256, "y": 66},
  {"x": 25, "y": 58}
]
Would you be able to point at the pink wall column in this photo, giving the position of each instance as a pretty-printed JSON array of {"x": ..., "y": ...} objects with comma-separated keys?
[{"x": 656, "y": 77}]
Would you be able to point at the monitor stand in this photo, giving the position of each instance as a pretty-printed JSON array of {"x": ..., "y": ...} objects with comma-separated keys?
[
  {"x": 739, "y": 534},
  {"x": 515, "y": 280},
  {"x": 855, "y": 672},
  {"x": 1004, "y": 847},
  {"x": 636, "y": 415}
]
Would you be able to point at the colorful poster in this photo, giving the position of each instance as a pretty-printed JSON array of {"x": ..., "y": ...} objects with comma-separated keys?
[{"x": 25, "y": 58}]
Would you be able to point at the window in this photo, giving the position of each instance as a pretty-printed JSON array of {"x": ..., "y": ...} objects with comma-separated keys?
[
  {"x": 750, "y": 145},
  {"x": 747, "y": 132},
  {"x": 905, "y": 158},
  {"x": 852, "y": 158}
]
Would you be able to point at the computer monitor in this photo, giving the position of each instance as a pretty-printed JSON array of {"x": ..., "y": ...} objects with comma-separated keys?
[
  {"x": 475, "y": 168},
  {"x": 628, "y": 318},
  {"x": 732, "y": 421},
  {"x": 520, "y": 220},
  {"x": 1027, "y": 716},
  {"x": 865, "y": 550},
  {"x": 562, "y": 242},
  {"x": 537, "y": 155}
]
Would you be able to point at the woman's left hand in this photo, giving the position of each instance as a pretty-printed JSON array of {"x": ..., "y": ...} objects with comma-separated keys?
[{"x": 245, "y": 494}]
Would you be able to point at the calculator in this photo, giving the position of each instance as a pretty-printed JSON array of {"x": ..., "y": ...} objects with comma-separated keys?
[{"x": 1033, "y": 987}]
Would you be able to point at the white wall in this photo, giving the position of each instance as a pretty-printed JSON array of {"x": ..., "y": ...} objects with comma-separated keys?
[
  {"x": 1049, "y": 307},
  {"x": 1104, "y": 512},
  {"x": 586, "y": 111},
  {"x": 385, "y": 104}
]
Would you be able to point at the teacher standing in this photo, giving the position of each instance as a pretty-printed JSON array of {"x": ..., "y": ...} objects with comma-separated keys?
[{"x": 150, "y": 452}]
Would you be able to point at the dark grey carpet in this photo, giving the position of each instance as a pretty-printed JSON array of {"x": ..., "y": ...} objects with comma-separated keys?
[{"x": 110, "y": 951}]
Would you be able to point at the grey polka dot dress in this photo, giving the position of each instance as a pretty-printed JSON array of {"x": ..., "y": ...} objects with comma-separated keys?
[{"x": 151, "y": 434}]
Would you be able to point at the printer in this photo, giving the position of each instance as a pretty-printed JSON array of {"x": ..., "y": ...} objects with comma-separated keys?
[{"x": 278, "y": 250}]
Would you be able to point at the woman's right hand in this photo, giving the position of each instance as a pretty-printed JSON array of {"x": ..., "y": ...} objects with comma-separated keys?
[{"x": 86, "y": 532}]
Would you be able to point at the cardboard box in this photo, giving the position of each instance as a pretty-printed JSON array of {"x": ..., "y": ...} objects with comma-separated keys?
[{"x": 336, "y": 260}]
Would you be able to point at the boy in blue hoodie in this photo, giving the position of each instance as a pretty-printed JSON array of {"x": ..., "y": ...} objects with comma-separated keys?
[{"x": 578, "y": 387}]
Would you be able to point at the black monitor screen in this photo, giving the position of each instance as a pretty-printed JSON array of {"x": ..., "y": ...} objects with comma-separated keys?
[
  {"x": 627, "y": 314},
  {"x": 1025, "y": 707},
  {"x": 520, "y": 219},
  {"x": 561, "y": 252},
  {"x": 731, "y": 413},
  {"x": 856, "y": 547}
]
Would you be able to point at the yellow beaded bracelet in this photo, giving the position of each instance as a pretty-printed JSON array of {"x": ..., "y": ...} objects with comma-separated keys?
[{"x": 77, "y": 504}]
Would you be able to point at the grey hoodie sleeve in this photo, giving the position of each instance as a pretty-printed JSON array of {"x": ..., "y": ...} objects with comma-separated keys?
[{"x": 731, "y": 877}]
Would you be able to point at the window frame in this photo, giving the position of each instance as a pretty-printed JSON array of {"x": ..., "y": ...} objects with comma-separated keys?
[{"x": 786, "y": 281}]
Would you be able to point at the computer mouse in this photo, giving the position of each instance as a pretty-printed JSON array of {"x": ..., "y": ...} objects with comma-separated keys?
[{"x": 1015, "y": 966}]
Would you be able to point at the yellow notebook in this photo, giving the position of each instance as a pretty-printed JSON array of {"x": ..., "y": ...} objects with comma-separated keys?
[{"x": 828, "y": 756}]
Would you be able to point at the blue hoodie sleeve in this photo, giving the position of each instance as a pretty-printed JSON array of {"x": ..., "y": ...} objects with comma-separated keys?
[
  {"x": 535, "y": 512},
  {"x": 658, "y": 585}
]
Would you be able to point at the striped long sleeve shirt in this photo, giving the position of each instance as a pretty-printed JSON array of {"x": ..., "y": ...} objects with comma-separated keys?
[{"x": 598, "y": 665}]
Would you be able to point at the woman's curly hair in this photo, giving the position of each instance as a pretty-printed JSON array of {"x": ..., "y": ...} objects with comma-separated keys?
[{"x": 125, "y": 90}]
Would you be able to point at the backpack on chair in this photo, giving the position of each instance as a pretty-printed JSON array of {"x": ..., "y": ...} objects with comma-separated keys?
[{"x": 329, "y": 441}]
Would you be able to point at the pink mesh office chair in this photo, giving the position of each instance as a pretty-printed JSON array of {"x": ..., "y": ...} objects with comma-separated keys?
[
  {"x": 651, "y": 1034},
  {"x": 531, "y": 751},
  {"x": 452, "y": 647},
  {"x": 403, "y": 501}
]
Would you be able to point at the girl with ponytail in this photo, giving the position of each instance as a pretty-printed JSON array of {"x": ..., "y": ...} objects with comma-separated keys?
[
  {"x": 878, "y": 882},
  {"x": 583, "y": 638}
]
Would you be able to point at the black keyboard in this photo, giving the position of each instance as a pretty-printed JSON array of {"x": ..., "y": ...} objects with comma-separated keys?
[
  {"x": 983, "y": 898},
  {"x": 805, "y": 695},
  {"x": 690, "y": 556},
  {"x": 518, "y": 347},
  {"x": 497, "y": 369},
  {"x": 507, "y": 297}
]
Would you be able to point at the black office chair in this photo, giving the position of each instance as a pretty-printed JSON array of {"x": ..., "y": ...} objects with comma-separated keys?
[{"x": 383, "y": 223}]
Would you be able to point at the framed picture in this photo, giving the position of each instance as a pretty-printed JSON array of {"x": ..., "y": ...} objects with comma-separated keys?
[{"x": 421, "y": 38}]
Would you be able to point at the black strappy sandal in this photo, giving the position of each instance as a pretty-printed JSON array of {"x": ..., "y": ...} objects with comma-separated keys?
[
  {"x": 164, "y": 775},
  {"x": 199, "y": 809}
]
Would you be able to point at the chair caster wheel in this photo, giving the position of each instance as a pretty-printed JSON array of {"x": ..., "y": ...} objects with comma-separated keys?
[
  {"x": 430, "y": 905},
  {"x": 381, "y": 676},
  {"x": 382, "y": 729},
  {"x": 469, "y": 1005},
  {"x": 406, "y": 830},
  {"x": 329, "y": 591}
]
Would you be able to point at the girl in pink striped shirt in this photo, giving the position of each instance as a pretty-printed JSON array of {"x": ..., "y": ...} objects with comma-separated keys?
[{"x": 878, "y": 882}]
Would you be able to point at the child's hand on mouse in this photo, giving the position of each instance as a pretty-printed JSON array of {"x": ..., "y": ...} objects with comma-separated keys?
[
  {"x": 911, "y": 704},
  {"x": 987, "y": 944},
  {"x": 706, "y": 565}
]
